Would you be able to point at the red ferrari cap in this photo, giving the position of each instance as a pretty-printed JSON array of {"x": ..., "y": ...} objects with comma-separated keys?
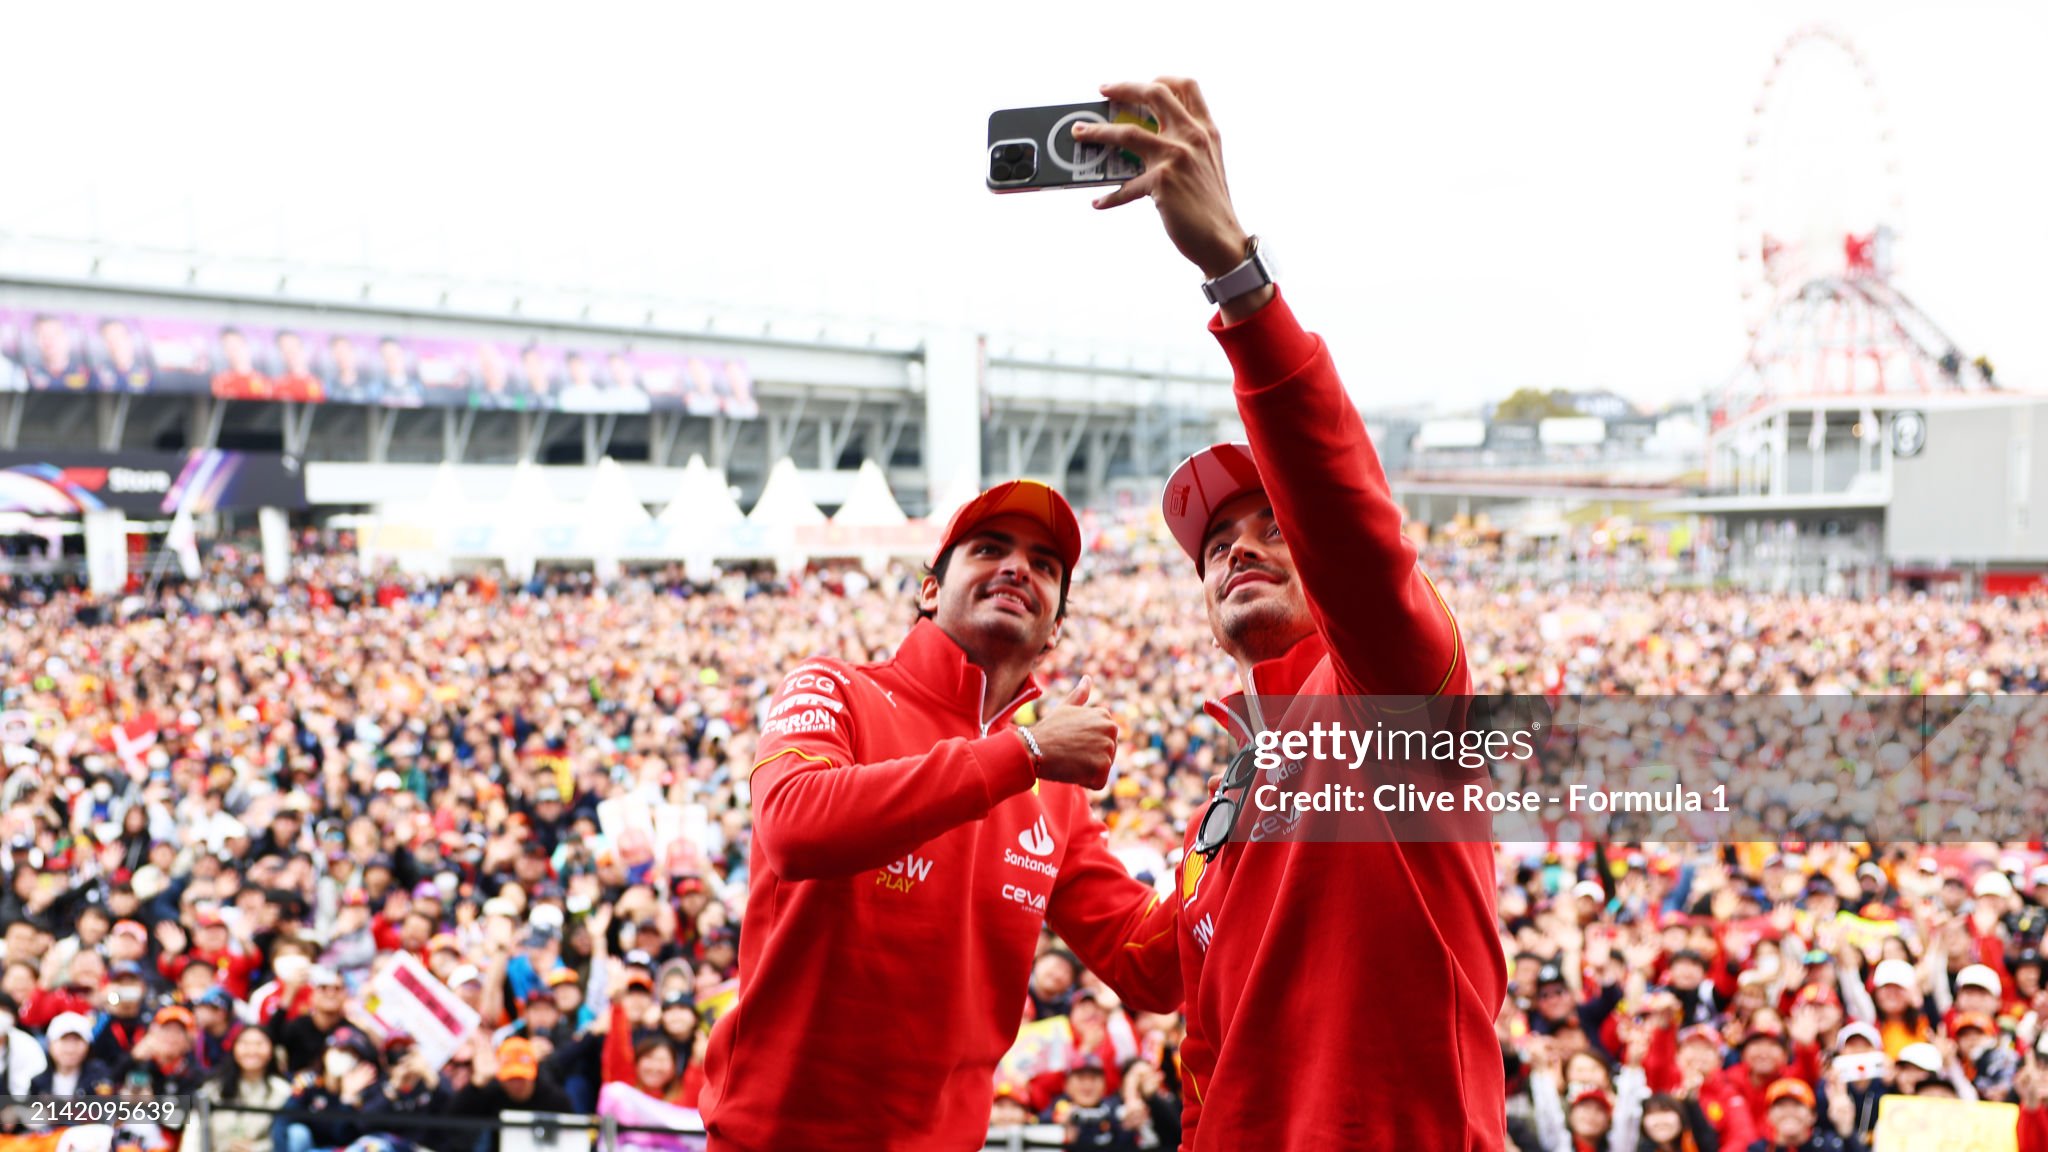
[
  {"x": 1203, "y": 483},
  {"x": 1021, "y": 498},
  {"x": 1595, "y": 1094}
]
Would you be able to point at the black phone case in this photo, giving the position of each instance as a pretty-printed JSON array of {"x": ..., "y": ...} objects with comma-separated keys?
[{"x": 1032, "y": 149}]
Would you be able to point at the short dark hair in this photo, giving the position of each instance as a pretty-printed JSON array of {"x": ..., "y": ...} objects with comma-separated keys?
[{"x": 937, "y": 571}]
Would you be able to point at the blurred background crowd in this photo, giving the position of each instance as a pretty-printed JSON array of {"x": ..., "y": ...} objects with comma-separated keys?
[{"x": 228, "y": 807}]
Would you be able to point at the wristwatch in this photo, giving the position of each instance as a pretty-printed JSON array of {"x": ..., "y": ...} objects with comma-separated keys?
[{"x": 1255, "y": 273}]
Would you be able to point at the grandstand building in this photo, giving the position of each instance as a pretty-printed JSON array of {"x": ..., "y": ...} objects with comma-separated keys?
[
  {"x": 486, "y": 380},
  {"x": 1816, "y": 469}
]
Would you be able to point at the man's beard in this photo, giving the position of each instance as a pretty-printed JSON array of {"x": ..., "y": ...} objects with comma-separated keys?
[{"x": 1261, "y": 630}]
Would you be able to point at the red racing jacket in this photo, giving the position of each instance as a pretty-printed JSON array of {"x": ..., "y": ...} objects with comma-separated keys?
[
  {"x": 905, "y": 857},
  {"x": 1339, "y": 995}
]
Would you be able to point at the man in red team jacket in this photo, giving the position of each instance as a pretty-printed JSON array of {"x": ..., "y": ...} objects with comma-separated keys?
[
  {"x": 1339, "y": 996},
  {"x": 910, "y": 839}
]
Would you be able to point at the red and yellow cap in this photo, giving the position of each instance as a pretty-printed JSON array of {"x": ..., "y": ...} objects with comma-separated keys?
[
  {"x": 1789, "y": 1088},
  {"x": 1203, "y": 483},
  {"x": 1019, "y": 498}
]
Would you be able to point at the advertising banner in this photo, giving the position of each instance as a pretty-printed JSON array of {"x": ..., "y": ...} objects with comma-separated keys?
[
  {"x": 58, "y": 351},
  {"x": 148, "y": 484}
]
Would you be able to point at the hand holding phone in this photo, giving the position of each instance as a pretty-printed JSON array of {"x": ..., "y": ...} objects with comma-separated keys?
[
  {"x": 1032, "y": 149},
  {"x": 1857, "y": 1067}
]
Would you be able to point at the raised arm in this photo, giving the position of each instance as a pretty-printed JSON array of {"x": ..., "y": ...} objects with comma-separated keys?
[
  {"x": 818, "y": 812},
  {"x": 1386, "y": 627}
]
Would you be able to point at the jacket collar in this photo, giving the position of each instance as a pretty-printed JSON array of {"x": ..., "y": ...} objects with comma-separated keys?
[
  {"x": 1283, "y": 675},
  {"x": 936, "y": 666}
]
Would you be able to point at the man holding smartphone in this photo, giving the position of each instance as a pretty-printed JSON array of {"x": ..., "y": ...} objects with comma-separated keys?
[
  {"x": 910, "y": 840},
  {"x": 1338, "y": 995}
]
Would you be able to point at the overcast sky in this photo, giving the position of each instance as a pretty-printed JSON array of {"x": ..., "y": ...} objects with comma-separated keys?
[{"x": 1465, "y": 198}]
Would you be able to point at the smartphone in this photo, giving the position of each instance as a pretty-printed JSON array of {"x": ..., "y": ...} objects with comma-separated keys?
[
  {"x": 1861, "y": 1066},
  {"x": 1031, "y": 149}
]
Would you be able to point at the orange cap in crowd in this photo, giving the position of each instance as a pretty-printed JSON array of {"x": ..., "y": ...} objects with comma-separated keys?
[
  {"x": 516, "y": 1060},
  {"x": 1789, "y": 1088}
]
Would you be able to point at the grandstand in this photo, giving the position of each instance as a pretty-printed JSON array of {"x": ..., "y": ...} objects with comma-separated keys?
[{"x": 932, "y": 408}]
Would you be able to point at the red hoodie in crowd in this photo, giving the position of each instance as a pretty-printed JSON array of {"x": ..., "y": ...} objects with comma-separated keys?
[
  {"x": 1736, "y": 1100},
  {"x": 904, "y": 859},
  {"x": 232, "y": 969},
  {"x": 1339, "y": 995}
]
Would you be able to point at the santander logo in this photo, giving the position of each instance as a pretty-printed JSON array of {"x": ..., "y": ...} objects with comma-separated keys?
[{"x": 1036, "y": 839}]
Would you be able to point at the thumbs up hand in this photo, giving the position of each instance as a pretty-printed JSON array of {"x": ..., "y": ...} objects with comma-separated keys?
[{"x": 1078, "y": 740}]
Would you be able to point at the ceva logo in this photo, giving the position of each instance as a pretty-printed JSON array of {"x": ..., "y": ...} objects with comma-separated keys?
[{"x": 1037, "y": 839}]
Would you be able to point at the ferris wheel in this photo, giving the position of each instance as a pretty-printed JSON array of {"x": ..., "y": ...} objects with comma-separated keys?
[
  {"x": 1816, "y": 222},
  {"x": 1819, "y": 191}
]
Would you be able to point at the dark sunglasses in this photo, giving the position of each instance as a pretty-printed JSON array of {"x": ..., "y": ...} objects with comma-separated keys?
[{"x": 1219, "y": 819}]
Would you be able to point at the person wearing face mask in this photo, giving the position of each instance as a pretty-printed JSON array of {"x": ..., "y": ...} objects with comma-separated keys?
[
  {"x": 126, "y": 1019},
  {"x": 346, "y": 1089},
  {"x": 20, "y": 1056}
]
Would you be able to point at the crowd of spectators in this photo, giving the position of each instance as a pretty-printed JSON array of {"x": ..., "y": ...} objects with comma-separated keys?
[{"x": 227, "y": 807}]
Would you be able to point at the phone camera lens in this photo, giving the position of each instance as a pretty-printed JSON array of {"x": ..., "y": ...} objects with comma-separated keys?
[{"x": 1012, "y": 163}]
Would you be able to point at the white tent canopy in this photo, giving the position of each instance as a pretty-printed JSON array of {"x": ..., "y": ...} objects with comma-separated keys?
[
  {"x": 529, "y": 500},
  {"x": 419, "y": 533},
  {"x": 870, "y": 504},
  {"x": 702, "y": 500},
  {"x": 951, "y": 495},
  {"x": 610, "y": 502},
  {"x": 528, "y": 509},
  {"x": 783, "y": 503},
  {"x": 445, "y": 504}
]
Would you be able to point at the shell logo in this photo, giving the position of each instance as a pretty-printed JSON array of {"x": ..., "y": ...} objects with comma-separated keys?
[{"x": 1191, "y": 871}]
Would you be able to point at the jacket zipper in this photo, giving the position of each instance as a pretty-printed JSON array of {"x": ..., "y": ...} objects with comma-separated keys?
[{"x": 1015, "y": 703}]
